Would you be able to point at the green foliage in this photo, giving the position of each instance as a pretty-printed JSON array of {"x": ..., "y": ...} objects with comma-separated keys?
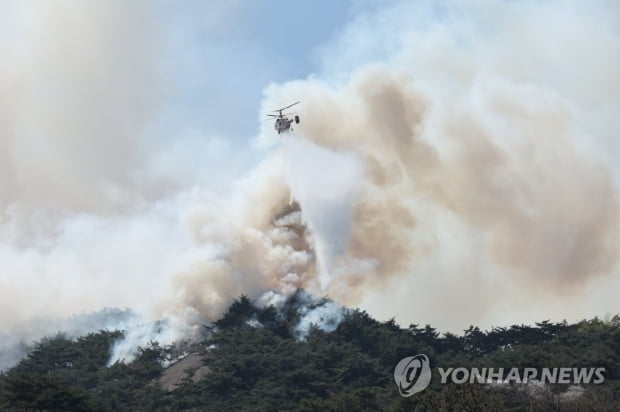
[
  {"x": 34, "y": 391},
  {"x": 255, "y": 362},
  {"x": 237, "y": 314},
  {"x": 72, "y": 375}
]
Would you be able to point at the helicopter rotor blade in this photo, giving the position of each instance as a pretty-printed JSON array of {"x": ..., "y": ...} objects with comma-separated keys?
[
  {"x": 284, "y": 108},
  {"x": 291, "y": 105}
]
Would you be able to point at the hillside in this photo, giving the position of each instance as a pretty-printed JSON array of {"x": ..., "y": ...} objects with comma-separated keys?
[{"x": 254, "y": 359}]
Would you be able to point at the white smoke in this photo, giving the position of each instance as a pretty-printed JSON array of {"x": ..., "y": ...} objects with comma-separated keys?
[
  {"x": 491, "y": 191},
  {"x": 326, "y": 317},
  {"x": 312, "y": 311},
  {"x": 449, "y": 160}
]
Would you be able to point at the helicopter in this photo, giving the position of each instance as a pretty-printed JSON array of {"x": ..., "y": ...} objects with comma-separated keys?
[{"x": 283, "y": 123}]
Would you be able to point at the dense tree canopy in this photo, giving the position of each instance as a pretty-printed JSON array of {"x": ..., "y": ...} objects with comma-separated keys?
[{"x": 255, "y": 361}]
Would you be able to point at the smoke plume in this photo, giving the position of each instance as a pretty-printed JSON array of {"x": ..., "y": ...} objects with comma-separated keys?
[{"x": 452, "y": 166}]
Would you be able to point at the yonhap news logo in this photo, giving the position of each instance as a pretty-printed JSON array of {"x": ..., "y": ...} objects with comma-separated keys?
[{"x": 413, "y": 374}]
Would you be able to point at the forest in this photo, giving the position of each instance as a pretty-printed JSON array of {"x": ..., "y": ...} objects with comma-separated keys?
[{"x": 254, "y": 359}]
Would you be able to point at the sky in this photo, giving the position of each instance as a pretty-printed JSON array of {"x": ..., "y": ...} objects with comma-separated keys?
[
  {"x": 455, "y": 163},
  {"x": 214, "y": 46}
]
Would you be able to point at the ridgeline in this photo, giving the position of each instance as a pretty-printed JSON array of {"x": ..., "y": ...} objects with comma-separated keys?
[{"x": 252, "y": 359}]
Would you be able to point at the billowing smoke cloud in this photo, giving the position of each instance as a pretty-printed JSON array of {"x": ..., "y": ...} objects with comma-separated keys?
[
  {"x": 448, "y": 170},
  {"x": 512, "y": 169},
  {"x": 487, "y": 185},
  {"x": 78, "y": 82}
]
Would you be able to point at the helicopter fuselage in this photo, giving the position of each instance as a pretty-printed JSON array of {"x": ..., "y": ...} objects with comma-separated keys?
[{"x": 283, "y": 124}]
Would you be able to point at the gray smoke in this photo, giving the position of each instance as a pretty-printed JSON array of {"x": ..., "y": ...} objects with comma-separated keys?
[{"x": 453, "y": 166}]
